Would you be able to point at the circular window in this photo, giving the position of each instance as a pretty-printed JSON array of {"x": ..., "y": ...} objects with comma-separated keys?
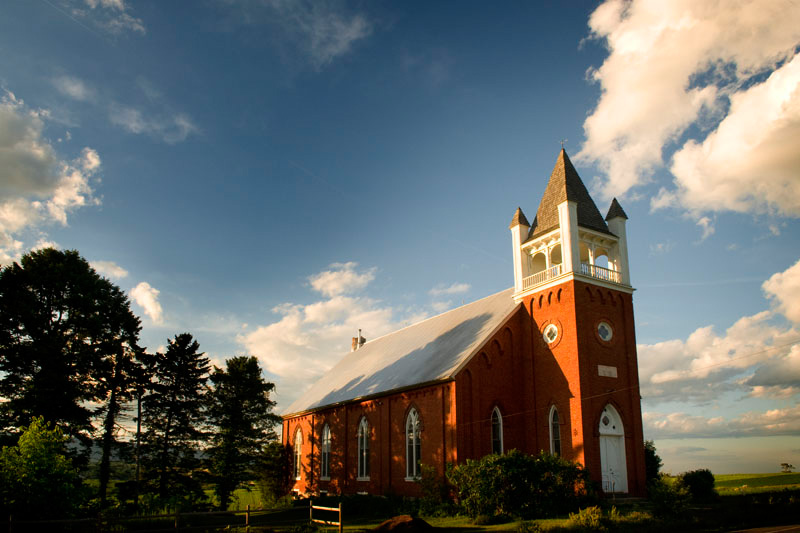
[
  {"x": 550, "y": 333},
  {"x": 604, "y": 331}
]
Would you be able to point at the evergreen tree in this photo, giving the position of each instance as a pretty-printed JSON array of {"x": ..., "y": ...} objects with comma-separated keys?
[
  {"x": 60, "y": 323},
  {"x": 174, "y": 417},
  {"x": 240, "y": 415}
]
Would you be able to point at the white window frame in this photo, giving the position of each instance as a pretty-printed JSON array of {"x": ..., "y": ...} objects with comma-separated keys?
[
  {"x": 555, "y": 437},
  {"x": 496, "y": 413},
  {"x": 413, "y": 446},
  {"x": 298, "y": 453},
  {"x": 325, "y": 454},
  {"x": 363, "y": 450}
]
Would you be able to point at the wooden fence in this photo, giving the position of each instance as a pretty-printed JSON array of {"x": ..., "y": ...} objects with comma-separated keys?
[
  {"x": 311, "y": 508},
  {"x": 161, "y": 522}
]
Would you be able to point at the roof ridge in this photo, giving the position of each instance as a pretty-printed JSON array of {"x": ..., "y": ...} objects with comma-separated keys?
[{"x": 436, "y": 316}]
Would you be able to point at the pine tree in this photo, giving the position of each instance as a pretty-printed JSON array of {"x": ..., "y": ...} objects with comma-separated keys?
[
  {"x": 240, "y": 415},
  {"x": 174, "y": 418}
]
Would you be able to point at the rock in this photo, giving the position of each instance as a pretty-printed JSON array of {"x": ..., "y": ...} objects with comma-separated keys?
[{"x": 404, "y": 523}]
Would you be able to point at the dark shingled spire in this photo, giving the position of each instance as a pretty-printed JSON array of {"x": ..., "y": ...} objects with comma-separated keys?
[
  {"x": 616, "y": 211},
  {"x": 565, "y": 184},
  {"x": 519, "y": 219}
]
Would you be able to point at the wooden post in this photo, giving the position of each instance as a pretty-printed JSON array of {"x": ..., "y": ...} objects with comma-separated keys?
[
  {"x": 247, "y": 518},
  {"x": 341, "y": 524},
  {"x": 10, "y": 523},
  {"x": 177, "y": 518},
  {"x": 311, "y": 509}
]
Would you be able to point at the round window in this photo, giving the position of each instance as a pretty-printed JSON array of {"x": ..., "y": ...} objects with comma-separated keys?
[
  {"x": 550, "y": 333},
  {"x": 604, "y": 331}
]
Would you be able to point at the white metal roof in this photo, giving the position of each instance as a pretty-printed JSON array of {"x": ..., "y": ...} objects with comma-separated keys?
[{"x": 430, "y": 350}]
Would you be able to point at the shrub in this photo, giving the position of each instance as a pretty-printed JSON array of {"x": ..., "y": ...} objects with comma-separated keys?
[
  {"x": 436, "y": 499},
  {"x": 590, "y": 518},
  {"x": 519, "y": 485},
  {"x": 528, "y": 527},
  {"x": 668, "y": 499},
  {"x": 699, "y": 483},
  {"x": 652, "y": 462}
]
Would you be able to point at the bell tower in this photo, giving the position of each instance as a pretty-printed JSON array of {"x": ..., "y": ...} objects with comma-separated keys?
[{"x": 571, "y": 273}]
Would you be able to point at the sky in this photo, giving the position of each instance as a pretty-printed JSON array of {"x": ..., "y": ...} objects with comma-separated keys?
[{"x": 272, "y": 175}]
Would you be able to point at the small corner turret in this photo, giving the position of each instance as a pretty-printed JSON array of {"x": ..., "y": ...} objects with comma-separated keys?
[{"x": 569, "y": 237}]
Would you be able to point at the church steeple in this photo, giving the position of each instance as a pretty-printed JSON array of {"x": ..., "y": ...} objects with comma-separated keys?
[{"x": 569, "y": 236}]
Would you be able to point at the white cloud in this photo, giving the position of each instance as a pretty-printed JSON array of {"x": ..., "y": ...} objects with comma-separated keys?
[
  {"x": 36, "y": 186},
  {"x": 147, "y": 298},
  {"x": 682, "y": 64},
  {"x": 110, "y": 269},
  {"x": 109, "y": 15},
  {"x": 73, "y": 87},
  {"x": 783, "y": 289},
  {"x": 171, "y": 128},
  {"x": 307, "y": 340},
  {"x": 754, "y": 357},
  {"x": 707, "y": 225},
  {"x": 455, "y": 288},
  {"x": 781, "y": 421},
  {"x": 342, "y": 278},
  {"x": 322, "y": 30}
]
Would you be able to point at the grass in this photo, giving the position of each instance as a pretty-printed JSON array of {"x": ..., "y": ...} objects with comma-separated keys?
[{"x": 729, "y": 484}]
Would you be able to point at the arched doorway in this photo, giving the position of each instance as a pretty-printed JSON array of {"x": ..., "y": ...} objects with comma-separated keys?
[{"x": 612, "y": 451}]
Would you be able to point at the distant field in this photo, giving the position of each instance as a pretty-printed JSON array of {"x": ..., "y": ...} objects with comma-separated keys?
[{"x": 749, "y": 483}]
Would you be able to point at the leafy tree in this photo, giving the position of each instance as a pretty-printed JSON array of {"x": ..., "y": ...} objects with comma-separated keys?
[
  {"x": 787, "y": 468},
  {"x": 275, "y": 472},
  {"x": 652, "y": 462},
  {"x": 699, "y": 483},
  {"x": 239, "y": 412},
  {"x": 174, "y": 416},
  {"x": 60, "y": 324},
  {"x": 36, "y": 476}
]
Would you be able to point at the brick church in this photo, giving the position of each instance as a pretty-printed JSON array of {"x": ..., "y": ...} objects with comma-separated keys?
[{"x": 549, "y": 364}]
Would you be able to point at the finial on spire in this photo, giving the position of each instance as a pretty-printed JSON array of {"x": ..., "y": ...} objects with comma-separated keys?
[{"x": 562, "y": 143}]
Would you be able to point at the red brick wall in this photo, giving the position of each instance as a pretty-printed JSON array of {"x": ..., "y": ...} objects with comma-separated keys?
[{"x": 386, "y": 417}]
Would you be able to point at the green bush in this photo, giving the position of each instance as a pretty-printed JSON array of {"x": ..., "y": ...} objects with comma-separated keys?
[
  {"x": 436, "y": 499},
  {"x": 519, "y": 485},
  {"x": 668, "y": 499},
  {"x": 699, "y": 483},
  {"x": 590, "y": 519}
]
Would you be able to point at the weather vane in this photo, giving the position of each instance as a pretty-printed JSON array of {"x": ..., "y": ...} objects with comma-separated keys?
[{"x": 562, "y": 143}]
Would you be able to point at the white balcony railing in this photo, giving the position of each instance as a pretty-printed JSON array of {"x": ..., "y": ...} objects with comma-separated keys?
[
  {"x": 595, "y": 271},
  {"x": 541, "y": 277},
  {"x": 606, "y": 274}
]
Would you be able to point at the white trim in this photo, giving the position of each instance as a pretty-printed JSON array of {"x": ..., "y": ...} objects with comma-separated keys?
[
  {"x": 570, "y": 276},
  {"x": 297, "y": 452}
]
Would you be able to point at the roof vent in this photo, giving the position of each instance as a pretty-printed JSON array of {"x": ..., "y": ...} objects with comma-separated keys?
[{"x": 357, "y": 342}]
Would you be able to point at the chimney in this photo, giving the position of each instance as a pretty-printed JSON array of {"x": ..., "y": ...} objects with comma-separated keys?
[{"x": 357, "y": 342}]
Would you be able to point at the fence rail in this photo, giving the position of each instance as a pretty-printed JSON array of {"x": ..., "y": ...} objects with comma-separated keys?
[{"x": 311, "y": 508}]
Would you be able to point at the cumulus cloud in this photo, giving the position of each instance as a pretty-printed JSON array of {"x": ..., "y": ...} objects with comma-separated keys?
[
  {"x": 110, "y": 269},
  {"x": 781, "y": 421},
  {"x": 147, "y": 298},
  {"x": 307, "y": 340},
  {"x": 728, "y": 71},
  {"x": 169, "y": 127},
  {"x": 783, "y": 289},
  {"x": 37, "y": 187},
  {"x": 455, "y": 288},
  {"x": 341, "y": 278},
  {"x": 754, "y": 357}
]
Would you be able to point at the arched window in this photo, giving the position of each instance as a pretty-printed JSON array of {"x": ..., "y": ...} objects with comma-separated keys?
[
  {"x": 413, "y": 445},
  {"x": 298, "y": 452},
  {"x": 325, "y": 452},
  {"x": 497, "y": 432},
  {"x": 555, "y": 432},
  {"x": 363, "y": 449}
]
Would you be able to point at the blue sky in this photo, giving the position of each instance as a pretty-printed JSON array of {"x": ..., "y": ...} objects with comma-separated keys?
[{"x": 271, "y": 176}]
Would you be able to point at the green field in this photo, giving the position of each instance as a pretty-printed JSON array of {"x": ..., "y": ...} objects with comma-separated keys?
[{"x": 754, "y": 483}]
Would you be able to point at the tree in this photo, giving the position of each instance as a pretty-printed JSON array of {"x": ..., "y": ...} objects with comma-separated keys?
[
  {"x": 60, "y": 323},
  {"x": 787, "y": 468},
  {"x": 275, "y": 472},
  {"x": 240, "y": 414},
  {"x": 174, "y": 417},
  {"x": 652, "y": 462},
  {"x": 36, "y": 476}
]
